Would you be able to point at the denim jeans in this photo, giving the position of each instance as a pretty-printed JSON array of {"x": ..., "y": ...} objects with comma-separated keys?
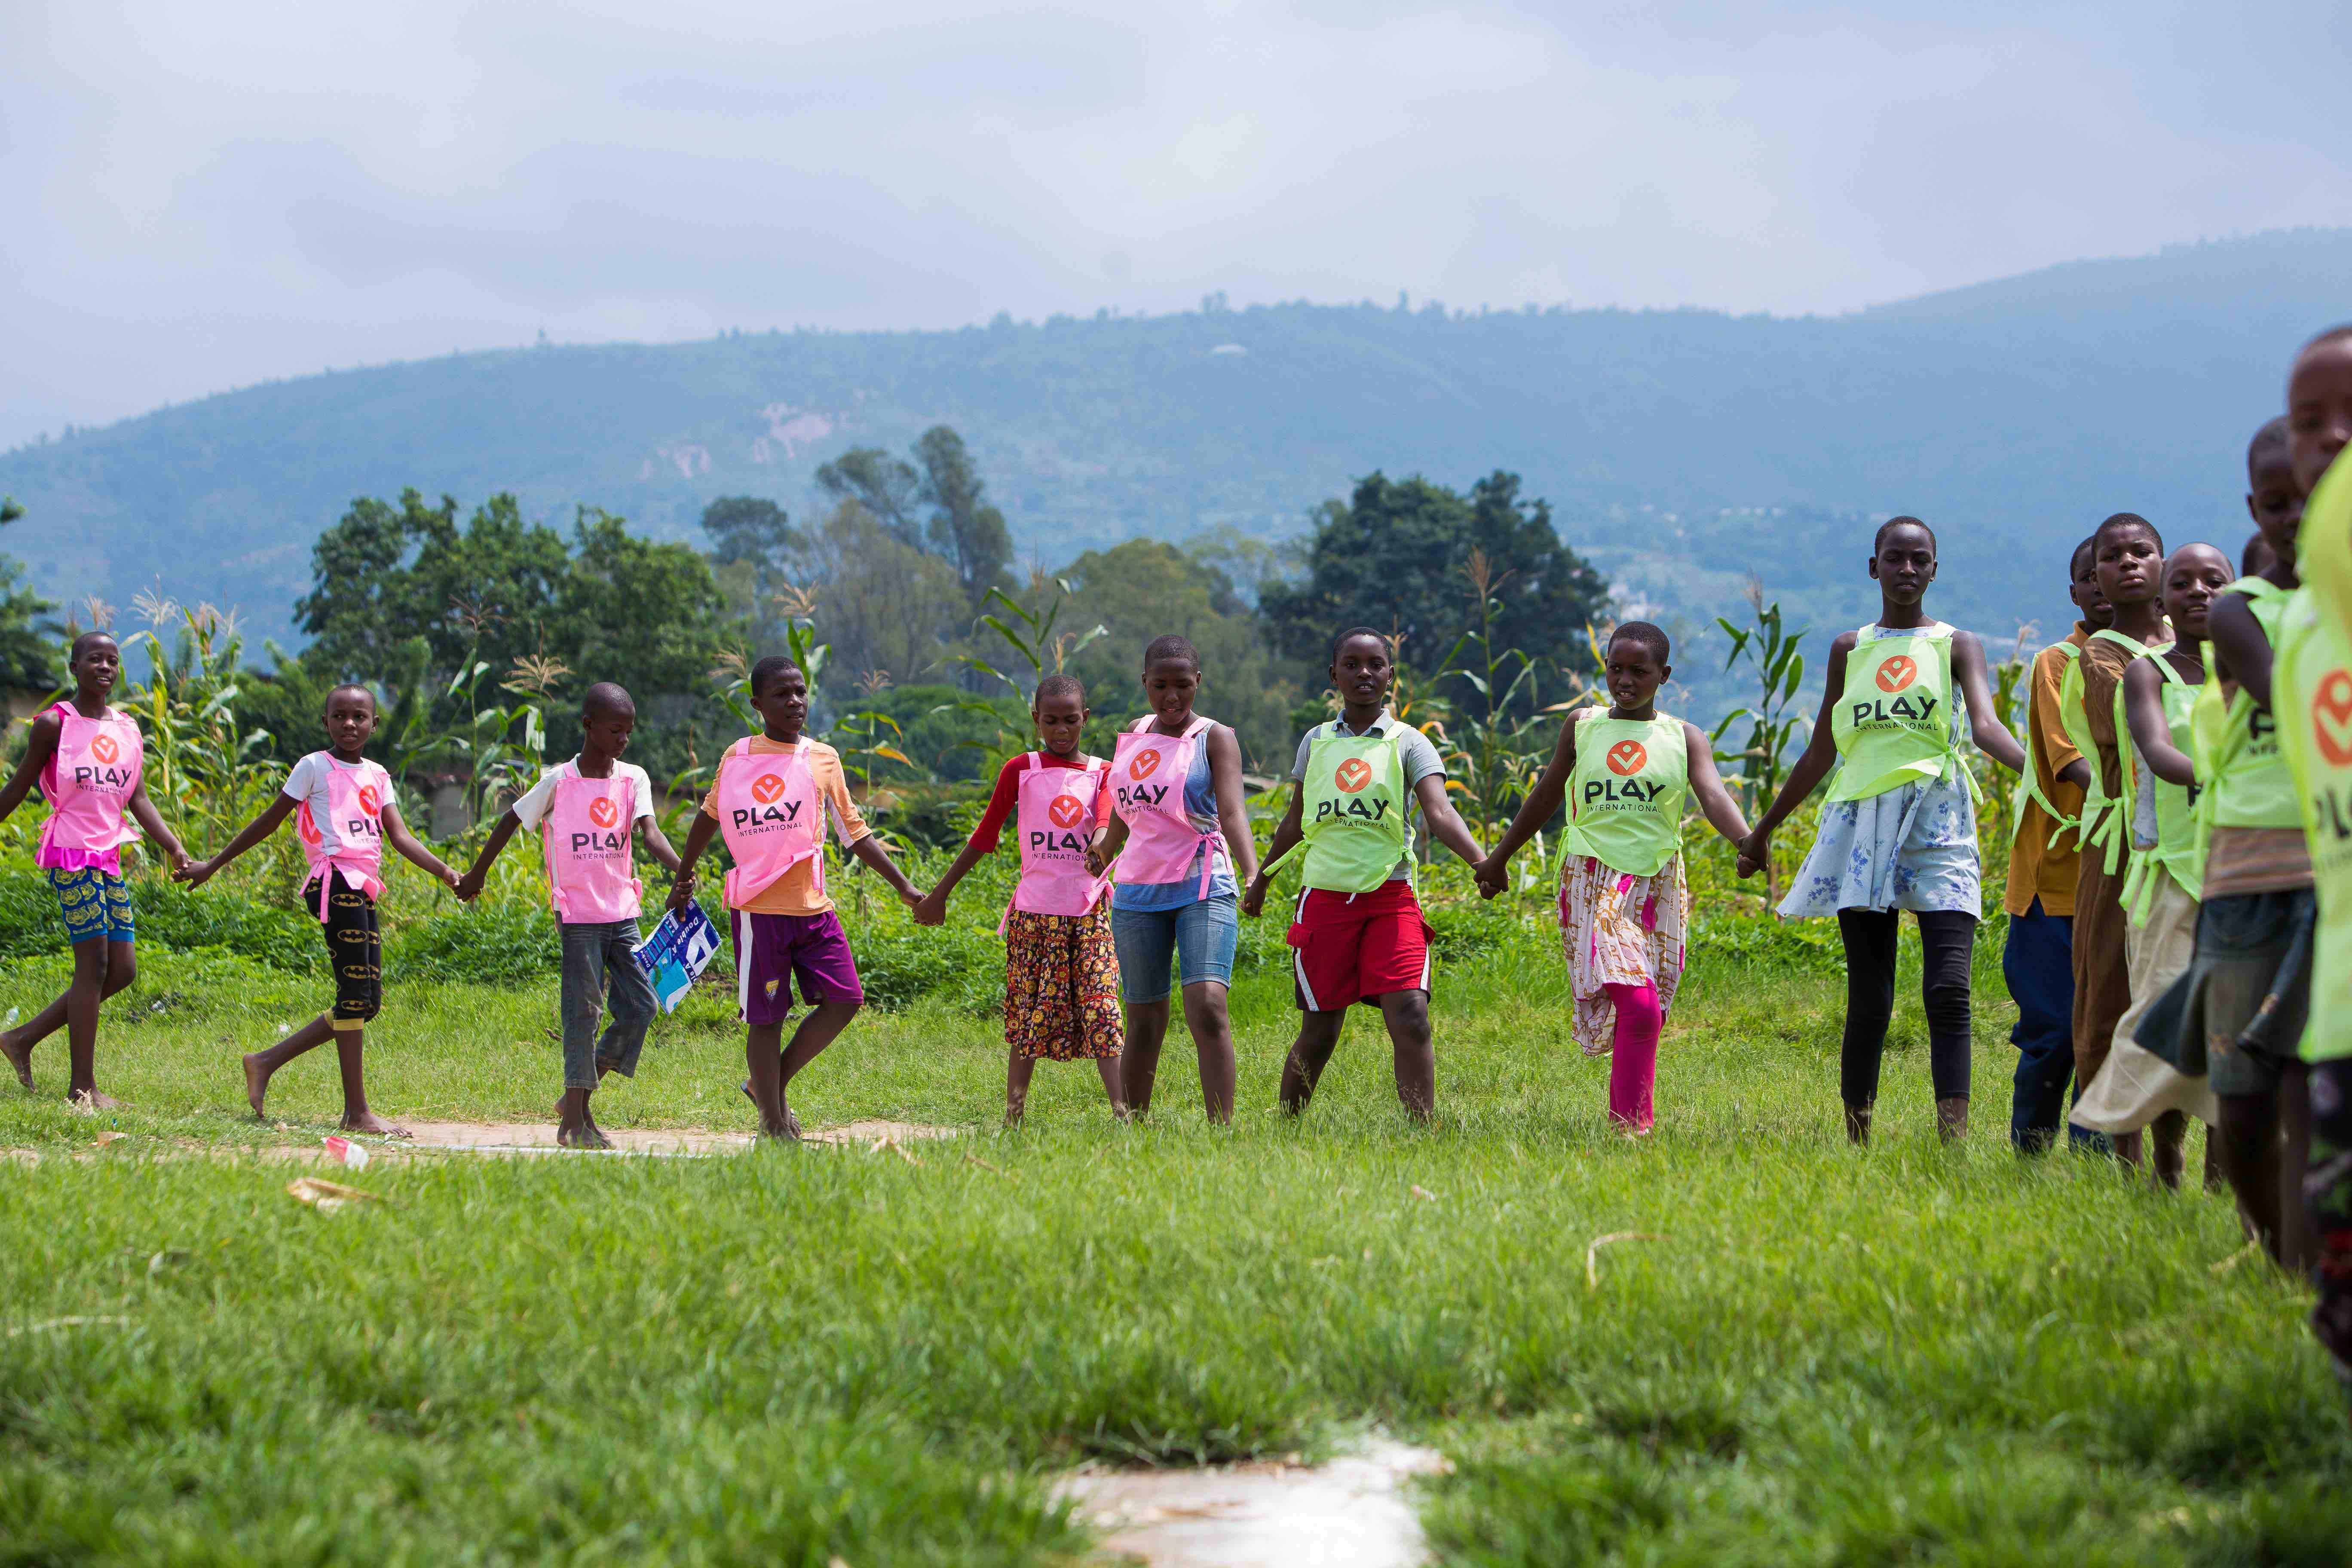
[
  {"x": 2038, "y": 961},
  {"x": 1200, "y": 936},
  {"x": 597, "y": 957}
]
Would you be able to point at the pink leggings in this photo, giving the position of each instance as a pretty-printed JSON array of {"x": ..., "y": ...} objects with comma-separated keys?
[{"x": 1634, "y": 1054}]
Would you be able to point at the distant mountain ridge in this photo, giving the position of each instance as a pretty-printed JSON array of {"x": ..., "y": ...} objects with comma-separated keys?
[{"x": 2013, "y": 414}]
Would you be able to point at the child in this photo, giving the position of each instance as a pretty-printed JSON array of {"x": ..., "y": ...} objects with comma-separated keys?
[
  {"x": 2037, "y": 955},
  {"x": 1061, "y": 968},
  {"x": 2153, "y": 707},
  {"x": 89, "y": 759},
  {"x": 770, "y": 798},
  {"x": 1356, "y": 934},
  {"x": 1176, "y": 782},
  {"x": 343, "y": 813},
  {"x": 583, "y": 809},
  {"x": 1622, "y": 903},
  {"x": 1898, "y": 826}
]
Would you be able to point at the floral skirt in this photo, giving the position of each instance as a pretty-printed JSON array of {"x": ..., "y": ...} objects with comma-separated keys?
[
  {"x": 1617, "y": 929},
  {"x": 1061, "y": 986}
]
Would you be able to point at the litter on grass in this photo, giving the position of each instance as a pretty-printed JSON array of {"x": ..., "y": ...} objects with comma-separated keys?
[
  {"x": 1592, "y": 1252},
  {"x": 343, "y": 1152},
  {"x": 51, "y": 1325},
  {"x": 328, "y": 1197}
]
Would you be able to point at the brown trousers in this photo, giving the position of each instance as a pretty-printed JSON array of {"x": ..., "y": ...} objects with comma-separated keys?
[{"x": 2102, "y": 982}]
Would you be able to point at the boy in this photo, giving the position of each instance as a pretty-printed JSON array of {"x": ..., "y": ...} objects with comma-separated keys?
[
  {"x": 770, "y": 800},
  {"x": 2037, "y": 958},
  {"x": 346, "y": 813},
  {"x": 585, "y": 809},
  {"x": 1357, "y": 932}
]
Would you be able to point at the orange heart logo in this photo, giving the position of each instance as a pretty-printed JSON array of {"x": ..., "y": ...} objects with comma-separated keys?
[
  {"x": 1897, "y": 672},
  {"x": 1353, "y": 774},
  {"x": 103, "y": 748},
  {"x": 369, "y": 802},
  {"x": 602, "y": 812},
  {"x": 304, "y": 826},
  {"x": 1627, "y": 758},
  {"x": 767, "y": 788},
  {"x": 1144, "y": 763},
  {"x": 1065, "y": 813},
  {"x": 2331, "y": 718}
]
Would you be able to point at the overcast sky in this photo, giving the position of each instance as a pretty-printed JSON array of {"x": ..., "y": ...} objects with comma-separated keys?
[{"x": 202, "y": 194}]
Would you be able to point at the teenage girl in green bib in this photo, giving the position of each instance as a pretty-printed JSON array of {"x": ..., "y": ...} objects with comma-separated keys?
[
  {"x": 1356, "y": 934},
  {"x": 1899, "y": 827},
  {"x": 1626, "y": 776}
]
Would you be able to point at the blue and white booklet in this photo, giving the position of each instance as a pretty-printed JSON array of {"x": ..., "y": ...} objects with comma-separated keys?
[{"x": 681, "y": 948}]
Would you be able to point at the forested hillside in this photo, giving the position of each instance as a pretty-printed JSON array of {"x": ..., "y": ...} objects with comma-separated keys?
[{"x": 1679, "y": 451}]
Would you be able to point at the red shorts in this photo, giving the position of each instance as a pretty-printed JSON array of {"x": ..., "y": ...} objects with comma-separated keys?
[{"x": 1358, "y": 949}]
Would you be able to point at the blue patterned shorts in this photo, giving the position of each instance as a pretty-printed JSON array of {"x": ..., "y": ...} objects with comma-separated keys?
[{"x": 95, "y": 903}]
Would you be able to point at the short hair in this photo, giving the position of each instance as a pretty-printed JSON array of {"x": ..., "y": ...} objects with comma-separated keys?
[
  {"x": 2124, "y": 522},
  {"x": 366, "y": 691},
  {"x": 1164, "y": 650},
  {"x": 2331, "y": 335},
  {"x": 606, "y": 697},
  {"x": 83, "y": 641},
  {"x": 2090, "y": 546},
  {"x": 1058, "y": 685},
  {"x": 1352, "y": 633},
  {"x": 2257, "y": 557},
  {"x": 1878, "y": 540},
  {"x": 769, "y": 669},
  {"x": 1652, "y": 638},
  {"x": 2271, "y": 437}
]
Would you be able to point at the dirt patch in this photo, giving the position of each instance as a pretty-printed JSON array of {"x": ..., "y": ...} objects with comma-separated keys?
[{"x": 1350, "y": 1513}]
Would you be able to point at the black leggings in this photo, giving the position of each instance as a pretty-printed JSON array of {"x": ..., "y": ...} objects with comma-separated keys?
[
  {"x": 1949, "y": 937},
  {"x": 354, "y": 952}
]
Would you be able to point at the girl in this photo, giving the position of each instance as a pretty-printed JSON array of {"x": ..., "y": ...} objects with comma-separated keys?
[
  {"x": 343, "y": 813},
  {"x": 1176, "y": 784},
  {"x": 1061, "y": 968},
  {"x": 1625, "y": 774},
  {"x": 89, "y": 759},
  {"x": 1898, "y": 828}
]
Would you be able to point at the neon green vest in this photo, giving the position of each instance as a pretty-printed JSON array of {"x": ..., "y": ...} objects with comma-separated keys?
[
  {"x": 2311, "y": 684},
  {"x": 2106, "y": 818},
  {"x": 1893, "y": 723},
  {"x": 2248, "y": 783},
  {"x": 2178, "y": 851},
  {"x": 1353, "y": 806},
  {"x": 1625, "y": 793},
  {"x": 2029, "y": 784}
]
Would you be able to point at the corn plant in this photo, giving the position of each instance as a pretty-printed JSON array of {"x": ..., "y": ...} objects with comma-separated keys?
[
  {"x": 1029, "y": 634},
  {"x": 1775, "y": 720},
  {"x": 205, "y": 770}
]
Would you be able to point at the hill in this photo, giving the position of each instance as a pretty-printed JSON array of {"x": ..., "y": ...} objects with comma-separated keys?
[{"x": 1681, "y": 449}]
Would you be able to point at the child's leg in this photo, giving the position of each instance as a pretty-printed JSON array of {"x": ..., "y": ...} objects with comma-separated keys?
[
  {"x": 1869, "y": 937},
  {"x": 118, "y": 968},
  {"x": 581, "y": 1000},
  {"x": 1114, "y": 1082},
  {"x": 630, "y": 1001},
  {"x": 1146, "y": 943},
  {"x": 763, "y": 1062},
  {"x": 1206, "y": 935},
  {"x": 1318, "y": 1036},
  {"x": 1018, "y": 1069},
  {"x": 2297, "y": 1246},
  {"x": 2037, "y": 960},
  {"x": 1634, "y": 1055},
  {"x": 2327, "y": 1209},
  {"x": 2250, "y": 1160},
  {"x": 1146, "y": 1024},
  {"x": 1406, "y": 1013},
  {"x": 1948, "y": 938}
]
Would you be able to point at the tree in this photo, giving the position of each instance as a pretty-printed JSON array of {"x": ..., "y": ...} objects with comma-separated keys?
[
  {"x": 1392, "y": 557},
  {"x": 756, "y": 556},
  {"x": 885, "y": 605},
  {"x": 28, "y": 653},
  {"x": 961, "y": 528}
]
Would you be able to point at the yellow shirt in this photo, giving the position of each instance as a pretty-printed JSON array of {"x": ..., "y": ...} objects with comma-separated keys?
[
  {"x": 2037, "y": 867},
  {"x": 795, "y": 892}
]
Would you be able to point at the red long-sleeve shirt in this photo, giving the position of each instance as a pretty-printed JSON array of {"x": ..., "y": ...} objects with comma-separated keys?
[{"x": 1007, "y": 795}]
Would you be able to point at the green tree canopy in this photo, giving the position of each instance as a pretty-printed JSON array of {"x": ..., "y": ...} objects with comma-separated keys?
[
  {"x": 28, "y": 651},
  {"x": 960, "y": 527}
]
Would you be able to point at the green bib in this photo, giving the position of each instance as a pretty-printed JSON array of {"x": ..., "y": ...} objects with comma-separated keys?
[
  {"x": 1893, "y": 723},
  {"x": 2178, "y": 851},
  {"x": 2250, "y": 785},
  {"x": 2311, "y": 684},
  {"x": 2029, "y": 784},
  {"x": 2106, "y": 818},
  {"x": 1353, "y": 806},
  {"x": 1625, "y": 793}
]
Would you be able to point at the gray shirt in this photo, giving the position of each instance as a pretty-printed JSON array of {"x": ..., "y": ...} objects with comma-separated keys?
[{"x": 1415, "y": 752}]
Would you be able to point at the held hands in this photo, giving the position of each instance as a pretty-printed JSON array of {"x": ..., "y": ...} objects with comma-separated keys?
[
  {"x": 1254, "y": 898},
  {"x": 1753, "y": 850},
  {"x": 1493, "y": 876},
  {"x": 195, "y": 876},
  {"x": 470, "y": 887},
  {"x": 179, "y": 864},
  {"x": 681, "y": 891},
  {"x": 1096, "y": 858},
  {"x": 931, "y": 910},
  {"x": 450, "y": 880}
]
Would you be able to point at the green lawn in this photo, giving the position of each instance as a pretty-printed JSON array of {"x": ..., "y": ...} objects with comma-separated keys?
[{"x": 1905, "y": 1355}]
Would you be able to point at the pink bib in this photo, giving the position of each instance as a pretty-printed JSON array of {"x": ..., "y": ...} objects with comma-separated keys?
[
  {"x": 1054, "y": 815},
  {"x": 355, "y": 797},
  {"x": 591, "y": 869},
  {"x": 1148, "y": 770},
  {"x": 89, "y": 784},
  {"x": 771, "y": 816}
]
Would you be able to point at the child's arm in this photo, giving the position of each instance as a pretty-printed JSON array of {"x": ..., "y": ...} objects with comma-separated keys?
[
  {"x": 1003, "y": 800},
  {"x": 933, "y": 907},
  {"x": 1715, "y": 802},
  {"x": 414, "y": 852},
  {"x": 39, "y": 747},
  {"x": 1985, "y": 728},
  {"x": 658, "y": 845},
  {"x": 259, "y": 828},
  {"x": 1446, "y": 823},
  {"x": 469, "y": 886},
  {"x": 1534, "y": 811},
  {"x": 1232, "y": 807},
  {"x": 1109, "y": 840},
  {"x": 1286, "y": 832},
  {"x": 143, "y": 813},
  {"x": 1820, "y": 756},
  {"x": 2150, "y": 731},
  {"x": 2240, "y": 647},
  {"x": 698, "y": 839},
  {"x": 869, "y": 849}
]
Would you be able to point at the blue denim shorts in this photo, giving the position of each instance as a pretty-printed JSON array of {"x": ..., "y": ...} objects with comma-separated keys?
[{"x": 1200, "y": 936}]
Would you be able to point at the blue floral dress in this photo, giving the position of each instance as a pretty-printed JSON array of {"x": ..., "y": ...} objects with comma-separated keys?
[{"x": 1912, "y": 847}]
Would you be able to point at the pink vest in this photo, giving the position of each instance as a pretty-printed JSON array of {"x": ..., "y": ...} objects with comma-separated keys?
[
  {"x": 1055, "y": 814},
  {"x": 1148, "y": 770},
  {"x": 355, "y": 797},
  {"x": 771, "y": 817},
  {"x": 591, "y": 869},
  {"x": 89, "y": 784}
]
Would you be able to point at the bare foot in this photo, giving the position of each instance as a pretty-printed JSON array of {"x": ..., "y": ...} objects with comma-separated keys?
[
  {"x": 90, "y": 1099},
  {"x": 377, "y": 1125},
  {"x": 792, "y": 1123},
  {"x": 257, "y": 1084},
  {"x": 788, "y": 1132},
  {"x": 19, "y": 1056},
  {"x": 587, "y": 1135}
]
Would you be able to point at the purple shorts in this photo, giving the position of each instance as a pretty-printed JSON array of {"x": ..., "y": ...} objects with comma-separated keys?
[{"x": 774, "y": 951}]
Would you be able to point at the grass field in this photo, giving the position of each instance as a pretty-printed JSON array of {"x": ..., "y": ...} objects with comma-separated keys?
[{"x": 1909, "y": 1354}]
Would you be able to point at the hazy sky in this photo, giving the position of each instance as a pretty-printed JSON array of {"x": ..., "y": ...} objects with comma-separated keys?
[{"x": 201, "y": 194}]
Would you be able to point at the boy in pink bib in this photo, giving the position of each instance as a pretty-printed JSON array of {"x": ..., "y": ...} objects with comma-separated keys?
[
  {"x": 344, "y": 814},
  {"x": 772, "y": 797},
  {"x": 89, "y": 759},
  {"x": 1060, "y": 969},
  {"x": 586, "y": 811}
]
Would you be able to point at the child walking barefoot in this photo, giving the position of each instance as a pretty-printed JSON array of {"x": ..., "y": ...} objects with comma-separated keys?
[
  {"x": 585, "y": 810},
  {"x": 770, "y": 800},
  {"x": 1176, "y": 779},
  {"x": 89, "y": 759},
  {"x": 1899, "y": 827},
  {"x": 1357, "y": 934},
  {"x": 1625, "y": 774},
  {"x": 1061, "y": 968},
  {"x": 344, "y": 814}
]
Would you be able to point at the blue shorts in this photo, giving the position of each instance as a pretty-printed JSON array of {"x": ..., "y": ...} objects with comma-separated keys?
[
  {"x": 95, "y": 903},
  {"x": 1200, "y": 936}
]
